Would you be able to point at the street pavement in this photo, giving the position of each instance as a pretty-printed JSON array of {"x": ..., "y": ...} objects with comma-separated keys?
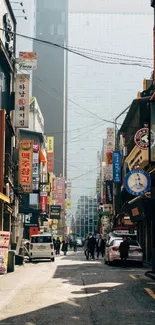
[{"x": 74, "y": 291}]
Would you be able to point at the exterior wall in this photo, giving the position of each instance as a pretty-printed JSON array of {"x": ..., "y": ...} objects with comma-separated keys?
[
  {"x": 25, "y": 27},
  {"x": 51, "y": 76},
  {"x": 36, "y": 119}
]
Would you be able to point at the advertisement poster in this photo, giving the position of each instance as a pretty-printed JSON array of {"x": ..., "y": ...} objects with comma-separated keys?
[
  {"x": 27, "y": 60},
  {"x": 25, "y": 177},
  {"x": 116, "y": 167},
  {"x": 22, "y": 101},
  {"x": 4, "y": 247},
  {"x": 43, "y": 201}
]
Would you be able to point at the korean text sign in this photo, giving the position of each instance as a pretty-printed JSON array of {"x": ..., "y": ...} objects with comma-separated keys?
[
  {"x": 25, "y": 179},
  {"x": 22, "y": 101},
  {"x": 116, "y": 167}
]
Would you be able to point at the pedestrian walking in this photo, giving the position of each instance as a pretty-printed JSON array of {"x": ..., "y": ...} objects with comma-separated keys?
[
  {"x": 124, "y": 250},
  {"x": 100, "y": 246},
  {"x": 75, "y": 245},
  {"x": 86, "y": 248},
  {"x": 57, "y": 246},
  {"x": 92, "y": 245},
  {"x": 65, "y": 246}
]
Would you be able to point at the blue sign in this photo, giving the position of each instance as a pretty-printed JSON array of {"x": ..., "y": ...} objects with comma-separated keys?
[
  {"x": 137, "y": 182},
  {"x": 116, "y": 167}
]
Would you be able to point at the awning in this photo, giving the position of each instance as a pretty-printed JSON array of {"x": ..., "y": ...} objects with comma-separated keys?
[
  {"x": 42, "y": 157},
  {"x": 4, "y": 198}
]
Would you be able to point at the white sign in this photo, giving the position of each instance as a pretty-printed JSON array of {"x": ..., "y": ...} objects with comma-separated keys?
[
  {"x": 22, "y": 101},
  {"x": 35, "y": 163},
  {"x": 27, "y": 60},
  {"x": 108, "y": 172}
]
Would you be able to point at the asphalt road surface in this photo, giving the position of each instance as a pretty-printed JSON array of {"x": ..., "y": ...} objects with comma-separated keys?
[{"x": 73, "y": 291}]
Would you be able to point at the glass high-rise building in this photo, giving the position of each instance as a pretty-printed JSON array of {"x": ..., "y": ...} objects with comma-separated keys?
[{"x": 50, "y": 78}]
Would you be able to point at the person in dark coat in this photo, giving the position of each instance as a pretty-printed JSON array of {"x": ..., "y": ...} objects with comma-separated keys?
[
  {"x": 100, "y": 246},
  {"x": 65, "y": 246},
  {"x": 124, "y": 251},
  {"x": 92, "y": 245},
  {"x": 57, "y": 246}
]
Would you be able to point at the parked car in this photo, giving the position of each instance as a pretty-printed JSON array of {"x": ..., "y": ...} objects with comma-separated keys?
[
  {"x": 42, "y": 247},
  {"x": 112, "y": 252}
]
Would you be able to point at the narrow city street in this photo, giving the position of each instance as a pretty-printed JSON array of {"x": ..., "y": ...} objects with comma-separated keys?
[{"x": 73, "y": 291}]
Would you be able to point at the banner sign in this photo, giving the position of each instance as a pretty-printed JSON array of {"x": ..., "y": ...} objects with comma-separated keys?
[
  {"x": 43, "y": 201},
  {"x": 25, "y": 178},
  {"x": 137, "y": 182},
  {"x": 50, "y": 154},
  {"x": 22, "y": 101},
  {"x": 27, "y": 60},
  {"x": 4, "y": 248},
  {"x": 55, "y": 212},
  {"x": 116, "y": 167},
  {"x": 109, "y": 192},
  {"x": 59, "y": 192}
]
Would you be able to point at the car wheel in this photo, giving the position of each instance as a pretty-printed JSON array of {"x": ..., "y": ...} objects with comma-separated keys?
[{"x": 52, "y": 259}]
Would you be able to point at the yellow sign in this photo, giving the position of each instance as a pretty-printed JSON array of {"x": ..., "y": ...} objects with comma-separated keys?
[
  {"x": 50, "y": 144},
  {"x": 68, "y": 204},
  {"x": 54, "y": 227},
  {"x": 55, "y": 221},
  {"x": 137, "y": 158},
  {"x": 25, "y": 179}
]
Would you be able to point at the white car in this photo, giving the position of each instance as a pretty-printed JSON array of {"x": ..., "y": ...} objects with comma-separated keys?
[
  {"x": 42, "y": 247},
  {"x": 135, "y": 252}
]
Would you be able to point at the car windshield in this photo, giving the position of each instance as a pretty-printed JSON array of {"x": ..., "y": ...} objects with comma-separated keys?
[{"x": 41, "y": 239}]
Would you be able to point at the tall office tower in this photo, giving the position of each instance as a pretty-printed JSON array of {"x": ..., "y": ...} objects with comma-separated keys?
[{"x": 50, "y": 78}]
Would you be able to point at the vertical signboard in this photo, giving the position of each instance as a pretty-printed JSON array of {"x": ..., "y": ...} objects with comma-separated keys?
[
  {"x": 36, "y": 148},
  {"x": 4, "y": 247},
  {"x": 50, "y": 154},
  {"x": 22, "y": 101},
  {"x": 25, "y": 179},
  {"x": 68, "y": 195},
  {"x": 109, "y": 192},
  {"x": 116, "y": 167},
  {"x": 59, "y": 192},
  {"x": 43, "y": 201}
]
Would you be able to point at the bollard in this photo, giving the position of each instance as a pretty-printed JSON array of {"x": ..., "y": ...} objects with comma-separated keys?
[{"x": 11, "y": 261}]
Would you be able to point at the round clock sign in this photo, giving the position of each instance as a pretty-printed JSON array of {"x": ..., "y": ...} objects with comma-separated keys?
[{"x": 142, "y": 138}]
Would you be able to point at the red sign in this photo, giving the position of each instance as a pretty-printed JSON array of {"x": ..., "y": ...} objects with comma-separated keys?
[
  {"x": 36, "y": 146},
  {"x": 33, "y": 231},
  {"x": 43, "y": 201},
  {"x": 59, "y": 192},
  {"x": 50, "y": 162}
]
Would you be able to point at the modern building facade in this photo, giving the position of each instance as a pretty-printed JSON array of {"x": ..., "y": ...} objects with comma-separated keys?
[
  {"x": 86, "y": 216},
  {"x": 50, "y": 78}
]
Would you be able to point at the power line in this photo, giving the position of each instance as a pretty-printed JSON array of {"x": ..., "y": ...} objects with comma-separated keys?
[{"x": 70, "y": 50}]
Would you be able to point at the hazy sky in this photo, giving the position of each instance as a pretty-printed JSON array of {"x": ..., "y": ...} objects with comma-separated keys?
[
  {"x": 121, "y": 6},
  {"x": 101, "y": 88}
]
